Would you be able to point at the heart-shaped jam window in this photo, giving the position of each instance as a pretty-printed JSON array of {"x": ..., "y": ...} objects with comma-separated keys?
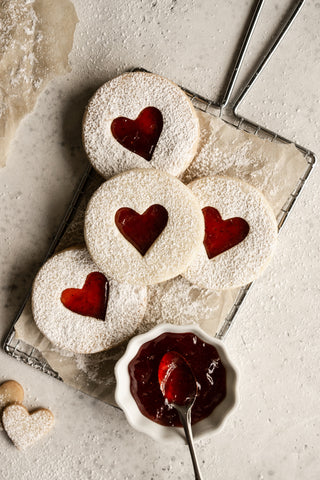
[
  {"x": 90, "y": 300},
  {"x": 220, "y": 235},
  {"x": 141, "y": 135},
  {"x": 142, "y": 230}
]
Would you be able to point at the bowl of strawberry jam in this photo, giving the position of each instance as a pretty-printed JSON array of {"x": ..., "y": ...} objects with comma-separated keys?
[{"x": 149, "y": 373}]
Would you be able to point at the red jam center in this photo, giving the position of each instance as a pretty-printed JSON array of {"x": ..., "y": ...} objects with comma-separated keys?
[
  {"x": 90, "y": 300},
  {"x": 142, "y": 230},
  {"x": 220, "y": 235},
  {"x": 204, "y": 362},
  {"x": 176, "y": 380},
  {"x": 141, "y": 135}
]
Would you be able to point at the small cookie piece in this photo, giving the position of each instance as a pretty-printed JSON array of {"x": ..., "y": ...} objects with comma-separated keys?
[
  {"x": 143, "y": 226},
  {"x": 10, "y": 392},
  {"x": 240, "y": 233},
  {"x": 24, "y": 428},
  {"x": 79, "y": 309},
  {"x": 140, "y": 120}
]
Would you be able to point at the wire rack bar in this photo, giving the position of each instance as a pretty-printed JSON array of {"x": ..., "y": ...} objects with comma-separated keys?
[
  {"x": 242, "y": 52},
  {"x": 265, "y": 59}
]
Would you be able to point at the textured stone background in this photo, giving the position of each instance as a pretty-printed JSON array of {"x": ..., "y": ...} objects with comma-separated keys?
[{"x": 274, "y": 434}]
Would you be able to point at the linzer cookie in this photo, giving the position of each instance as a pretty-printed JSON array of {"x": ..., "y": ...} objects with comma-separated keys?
[
  {"x": 79, "y": 308},
  {"x": 143, "y": 226},
  {"x": 140, "y": 120},
  {"x": 240, "y": 233}
]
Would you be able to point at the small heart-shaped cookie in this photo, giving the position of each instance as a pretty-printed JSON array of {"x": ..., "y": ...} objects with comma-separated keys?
[
  {"x": 10, "y": 392},
  {"x": 24, "y": 428}
]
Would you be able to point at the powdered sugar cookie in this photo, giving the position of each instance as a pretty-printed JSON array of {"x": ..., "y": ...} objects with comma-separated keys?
[
  {"x": 240, "y": 233},
  {"x": 23, "y": 428},
  {"x": 10, "y": 392},
  {"x": 79, "y": 309},
  {"x": 140, "y": 120},
  {"x": 143, "y": 226}
]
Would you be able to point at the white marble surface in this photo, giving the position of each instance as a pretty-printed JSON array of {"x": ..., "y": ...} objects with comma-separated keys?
[{"x": 274, "y": 434}]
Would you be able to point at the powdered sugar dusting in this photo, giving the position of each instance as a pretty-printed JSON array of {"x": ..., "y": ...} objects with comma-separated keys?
[
  {"x": 127, "y": 95},
  {"x": 78, "y": 333},
  {"x": 225, "y": 150},
  {"x": 172, "y": 251},
  {"x": 99, "y": 367},
  {"x": 23, "y": 428},
  {"x": 19, "y": 20},
  {"x": 32, "y": 52},
  {"x": 244, "y": 262},
  {"x": 179, "y": 302}
]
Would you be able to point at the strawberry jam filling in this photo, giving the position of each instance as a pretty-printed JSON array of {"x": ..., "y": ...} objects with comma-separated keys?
[
  {"x": 90, "y": 300},
  {"x": 141, "y": 135},
  {"x": 207, "y": 370},
  {"x": 220, "y": 235},
  {"x": 142, "y": 230}
]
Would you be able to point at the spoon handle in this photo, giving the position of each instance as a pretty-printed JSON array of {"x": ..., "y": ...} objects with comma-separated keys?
[{"x": 186, "y": 423}]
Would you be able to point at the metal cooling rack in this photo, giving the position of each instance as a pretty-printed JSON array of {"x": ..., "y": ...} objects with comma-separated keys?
[
  {"x": 227, "y": 111},
  {"x": 241, "y": 123},
  {"x": 17, "y": 348}
]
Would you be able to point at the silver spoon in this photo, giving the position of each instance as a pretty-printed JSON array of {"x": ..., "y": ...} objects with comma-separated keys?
[{"x": 179, "y": 387}]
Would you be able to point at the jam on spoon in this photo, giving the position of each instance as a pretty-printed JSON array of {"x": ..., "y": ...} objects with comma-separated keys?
[
  {"x": 179, "y": 387},
  {"x": 177, "y": 382}
]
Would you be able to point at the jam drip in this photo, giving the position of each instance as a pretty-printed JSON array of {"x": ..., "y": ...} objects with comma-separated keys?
[
  {"x": 142, "y": 230},
  {"x": 141, "y": 135},
  {"x": 220, "y": 235},
  {"x": 90, "y": 300}
]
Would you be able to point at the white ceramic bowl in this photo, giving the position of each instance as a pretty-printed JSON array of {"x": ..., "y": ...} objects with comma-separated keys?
[{"x": 126, "y": 402}]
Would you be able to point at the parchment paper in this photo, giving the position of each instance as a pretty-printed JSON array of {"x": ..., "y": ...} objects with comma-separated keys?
[
  {"x": 274, "y": 168},
  {"x": 36, "y": 37}
]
